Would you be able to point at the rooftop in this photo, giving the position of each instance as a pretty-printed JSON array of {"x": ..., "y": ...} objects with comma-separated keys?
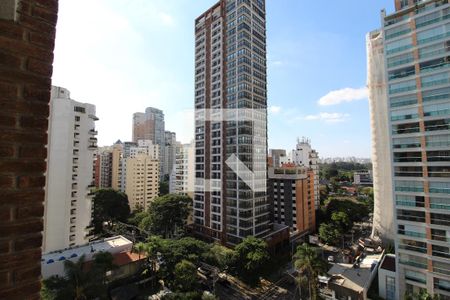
[
  {"x": 95, "y": 246},
  {"x": 288, "y": 171},
  {"x": 124, "y": 258},
  {"x": 388, "y": 263},
  {"x": 356, "y": 277}
]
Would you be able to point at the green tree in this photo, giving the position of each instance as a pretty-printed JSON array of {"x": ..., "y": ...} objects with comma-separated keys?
[
  {"x": 302, "y": 283},
  {"x": 139, "y": 248},
  {"x": 221, "y": 256},
  {"x": 102, "y": 263},
  {"x": 57, "y": 288},
  {"x": 167, "y": 215},
  {"x": 324, "y": 191},
  {"x": 163, "y": 188},
  {"x": 329, "y": 233},
  {"x": 183, "y": 296},
  {"x": 185, "y": 276},
  {"x": 170, "y": 252},
  {"x": 341, "y": 220},
  {"x": 335, "y": 185},
  {"x": 251, "y": 258},
  {"x": 208, "y": 296},
  {"x": 79, "y": 283},
  {"x": 367, "y": 197},
  {"x": 309, "y": 265},
  {"x": 136, "y": 218},
  {"x": 422, "y": 295},
  {"x": 355, "y": 211},
  {"x": 329, "y": 171},
  {"x": 109, "y": 205}
]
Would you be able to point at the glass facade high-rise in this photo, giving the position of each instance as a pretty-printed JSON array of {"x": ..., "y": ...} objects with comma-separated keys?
[
  {"x": 416, "y": 50},
  {"x": 230, "y": 84}
]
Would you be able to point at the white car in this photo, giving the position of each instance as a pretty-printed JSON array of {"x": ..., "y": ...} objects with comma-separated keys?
[{"x": 331, "y": 258}]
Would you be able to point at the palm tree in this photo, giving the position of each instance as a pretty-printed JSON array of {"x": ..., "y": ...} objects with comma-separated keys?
[
  {"x": 151, "y": 249},
  {"x": 103, "y": 262},
  {"x": 139, "y": 248},
  {"x": 78, "y": 283},
  {"x": 309, "y": 265},
  {"x": 302, "y": 282}
]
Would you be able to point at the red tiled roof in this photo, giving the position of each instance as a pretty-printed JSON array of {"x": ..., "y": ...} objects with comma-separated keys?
[
  {"x": 125, "y": 258},
  {"x": 119, "y": 259}
]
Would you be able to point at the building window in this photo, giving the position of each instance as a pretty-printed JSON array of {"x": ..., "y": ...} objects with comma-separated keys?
[
  {"x": 390, "y": 288},
  {"x": 79, "y": 109}
]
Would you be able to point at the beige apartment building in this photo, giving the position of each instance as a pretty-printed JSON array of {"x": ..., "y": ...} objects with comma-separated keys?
[
  {"x": 142, "y": 180},
  {"x": 116, "y": 168}
]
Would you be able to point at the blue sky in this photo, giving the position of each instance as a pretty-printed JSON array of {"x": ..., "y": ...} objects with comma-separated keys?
[{"x": 125, "y": 55}]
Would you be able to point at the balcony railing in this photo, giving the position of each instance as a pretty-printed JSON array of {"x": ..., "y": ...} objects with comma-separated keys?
[{"x": 95, "y": 118}]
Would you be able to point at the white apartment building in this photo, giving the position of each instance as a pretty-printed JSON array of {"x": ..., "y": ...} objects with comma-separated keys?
[
  {"x": 182, "y": 179},
  {"x": 304, "y": 155},
  {"x": 363, "y": 178},
  {"x": 146, "y": 147},
  {"x": 71, "y": 146},
  {"x": 414, "y": 58}
]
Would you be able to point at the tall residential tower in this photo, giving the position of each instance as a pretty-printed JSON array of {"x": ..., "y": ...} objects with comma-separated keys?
[
  {"x": 68, "y": 197},
  {"x": 413, "y": 51},
  {"x": 231, "y": 133},
  {"x": 150, "y": 126}
]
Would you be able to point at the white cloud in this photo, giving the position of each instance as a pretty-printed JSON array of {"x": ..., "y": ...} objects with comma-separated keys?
[
  {"x": 277, "y": 63},
  {"x": 343, "y": 95},
  {"x": 166, "y": 19},
  {"x": 274, "y": 109},
  {"x": 327, "y": 117}
]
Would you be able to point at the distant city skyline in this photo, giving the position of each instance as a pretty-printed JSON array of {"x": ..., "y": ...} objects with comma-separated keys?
[{"x": 316, "y": 69}]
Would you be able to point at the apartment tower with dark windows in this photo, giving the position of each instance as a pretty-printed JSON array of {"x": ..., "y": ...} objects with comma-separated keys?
[{"x": 230, "y": 74}]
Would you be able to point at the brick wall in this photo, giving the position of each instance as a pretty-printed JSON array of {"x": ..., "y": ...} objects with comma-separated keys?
[{"x": 26, "y": 57}]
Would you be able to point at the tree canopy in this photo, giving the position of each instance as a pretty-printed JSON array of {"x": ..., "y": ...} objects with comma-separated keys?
[
  {"x": 251, "y": 258},
  {"x": 309, "y": 266},
  {"x": 109, "y": 205},
  {"x": 329, "y": 233},
  {"x": 342, "y": 220},
  {"x": 185, "y": 276},
  {"x": 167, "y": 215},
  {"x": 354, "y": 210},
  {"x": 170, "y": 252},
  {"x": 78, "y": 282}
]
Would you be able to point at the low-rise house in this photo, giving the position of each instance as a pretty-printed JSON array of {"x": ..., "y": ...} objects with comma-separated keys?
[
  {"x": 52, "y": 263},
  {"x": 127, "y": 264},
  {"x": 352, "y": 281}
]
